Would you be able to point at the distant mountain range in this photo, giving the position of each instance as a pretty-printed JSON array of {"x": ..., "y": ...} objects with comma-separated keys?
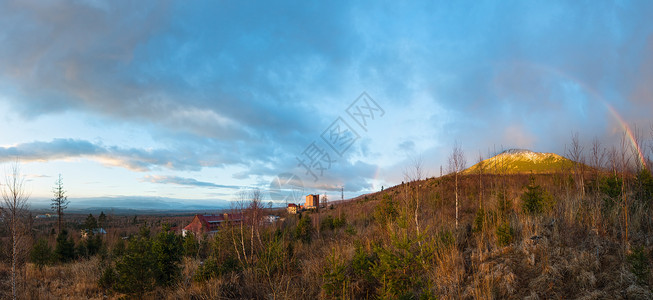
[
  {"x": 135, "y": 204},
  {"x": 515, "y": 161}
]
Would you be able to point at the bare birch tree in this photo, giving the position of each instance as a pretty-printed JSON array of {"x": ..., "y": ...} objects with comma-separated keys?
[
  {"x": 457, "y": 164},
  {"x": 14, "y": 209}
]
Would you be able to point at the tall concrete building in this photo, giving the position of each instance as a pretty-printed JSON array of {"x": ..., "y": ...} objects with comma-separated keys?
[{"x": 312, "y": 201}]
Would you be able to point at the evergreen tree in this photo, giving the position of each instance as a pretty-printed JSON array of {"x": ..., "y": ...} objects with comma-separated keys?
[
  {"x": 41, "y": 254},
  {"x": 102, "y": 220},
  {"x": 304, "y": 230},
  {"x": 65, "y": 248},
  {"x": 167, "y": 251},
  {"x": 90, "y": 223},
  {"x": 60, "y": 201},
  {"x": 134, "y": 270}
]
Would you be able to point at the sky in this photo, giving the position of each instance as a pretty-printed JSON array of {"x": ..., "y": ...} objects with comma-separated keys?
[{"x": 203, "y": 100}]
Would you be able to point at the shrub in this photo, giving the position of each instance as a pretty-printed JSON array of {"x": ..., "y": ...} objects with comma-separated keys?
[
  {"x": 535, "y": 199},
  {"x": 639, "y": 264},
  {"x": 386, "y": 212},
  {"x": 65, "y": 249},
  {"x": 479, "y": 220},
  {"x": 335, "y": 277},
  {"x": 134, "y": 270},
  {"x": 191, "y": 245},
  {"x": 644, "y": 182},
  {"x": 211, "y": 268},
  {"x": 167, "y": 251},
  {"x": 41, "y": 254},
  {"x": 504, "y": 234},
  {"x": 304, "y": 230}
]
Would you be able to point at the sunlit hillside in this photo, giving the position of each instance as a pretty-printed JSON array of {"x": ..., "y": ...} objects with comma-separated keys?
[{"x": 517, "y": 161}]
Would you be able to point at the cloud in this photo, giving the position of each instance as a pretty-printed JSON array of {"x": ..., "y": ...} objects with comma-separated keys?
[
  {"x": 129, "y": 158},
  {"x": 250, "y": 85},
  {"x": 185, "y": 181}
]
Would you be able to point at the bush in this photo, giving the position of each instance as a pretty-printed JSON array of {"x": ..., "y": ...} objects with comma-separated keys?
[
  {"x": 65, "y": 249},
  {"x": 535, "y": 199},
  {"x": 304, "y": 230},
  {"x": 504, "y": 234},
  {"x": 335, "y": 277},
  {"x": 167, "y": 250},
  {"x": 385, "y": 212},
  {"x": 639, "y": 264},
  {"x": 211, "y": 268},
  {"x": 41, "y": 254},
  {"x": 134, "y": 270},
  {"x": 191, "y": 245}
]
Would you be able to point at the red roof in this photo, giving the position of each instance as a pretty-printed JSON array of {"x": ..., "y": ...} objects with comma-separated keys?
[
  {"x": 292, "y": 205},
  {"x": 208, "y": 223}
]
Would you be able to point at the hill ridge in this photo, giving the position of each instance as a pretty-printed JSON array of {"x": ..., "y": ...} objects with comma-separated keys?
[{"x": 515, "y": 161}]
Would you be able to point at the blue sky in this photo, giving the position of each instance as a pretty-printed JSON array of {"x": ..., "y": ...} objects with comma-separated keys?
[{"x": 199, "y": 100}]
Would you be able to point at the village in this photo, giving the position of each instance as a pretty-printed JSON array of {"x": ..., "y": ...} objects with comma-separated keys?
[{"x": 209, "y": 224}]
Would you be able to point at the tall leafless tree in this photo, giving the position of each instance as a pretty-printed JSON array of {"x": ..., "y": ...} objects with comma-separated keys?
[
  {"x": 14, "y": 209},
  {"x": 457, "y": 164},
  {"x": 60, "y": 201},
  {"x": 624, "y": 164},
  {"x": 575, "y": 153}
]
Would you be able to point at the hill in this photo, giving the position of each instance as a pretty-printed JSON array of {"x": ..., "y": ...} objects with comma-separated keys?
[{"x": 517, "y": 161}]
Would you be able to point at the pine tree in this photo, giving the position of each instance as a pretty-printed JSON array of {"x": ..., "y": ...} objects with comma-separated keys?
[{"x": 60, "y": 201}]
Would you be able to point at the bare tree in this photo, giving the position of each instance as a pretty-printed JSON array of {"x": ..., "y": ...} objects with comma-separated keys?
[
  {"x": 60, "y": 201},
  {"x": 457, "y": 164},
  {"x": 624, "y": 163},
  {"x": 416, "y": 170},
  {"x": 575, "y": 153},
  {"x": 14, "y": 209},
  {"x": 598, "y": 154},
  {"x": 411, "y": 175}
]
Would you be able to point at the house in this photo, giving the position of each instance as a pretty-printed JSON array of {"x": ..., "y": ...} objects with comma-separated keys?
[
  {"x": 270, "y": 219},
  {"x": 312, "y": 202},
  {"x": 209, "y": 224},
  {"x": 85, "y": 232},
  {"x": 293, "y": 208}
]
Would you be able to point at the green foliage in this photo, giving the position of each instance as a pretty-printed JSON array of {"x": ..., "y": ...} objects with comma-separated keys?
[
  {"x": 108, "y": 278},
  {"x": 167, "y": 251},
  {"x": 273, "y": 258},
  {"x": 191, "y": 245},
  {"x": 93, "y": 244},
  {"x": 118, "y": 248},
  {"x": 611, "y": 186},
  {"x": 505, "y": 234},
  {"x": 361, "y": 265},
  {"x": 331, "y": 223},
  {"x": 644, "y": 182},
  {"x": 304, "y": 230},
  {"x": 398, "y": 268},
  {"x": 335, "y": 277},
  {"x": 102, "y": 220},
  {"x": 135, "y": 272},
  {"x": 479, "y": 220},
  {"x": 386, "y": 212},
  {"x": 148, "y": 262},
  {"x": 65, "y": 249},
  {"x": 90, "y": 223},
  {"x": 41, "y": 253},
  {"x": 535, "y": 200},
  {"x": 639, "y": 264},
  {"x": 212, "y": 268},
  {"x": 504, "y": 204}
]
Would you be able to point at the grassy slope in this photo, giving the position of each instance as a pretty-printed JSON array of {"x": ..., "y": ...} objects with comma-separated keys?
[{"x": 522, "y": 162}]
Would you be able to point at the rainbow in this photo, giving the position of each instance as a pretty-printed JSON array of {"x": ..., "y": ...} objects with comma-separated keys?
[{"x": 624, "y": 125}]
